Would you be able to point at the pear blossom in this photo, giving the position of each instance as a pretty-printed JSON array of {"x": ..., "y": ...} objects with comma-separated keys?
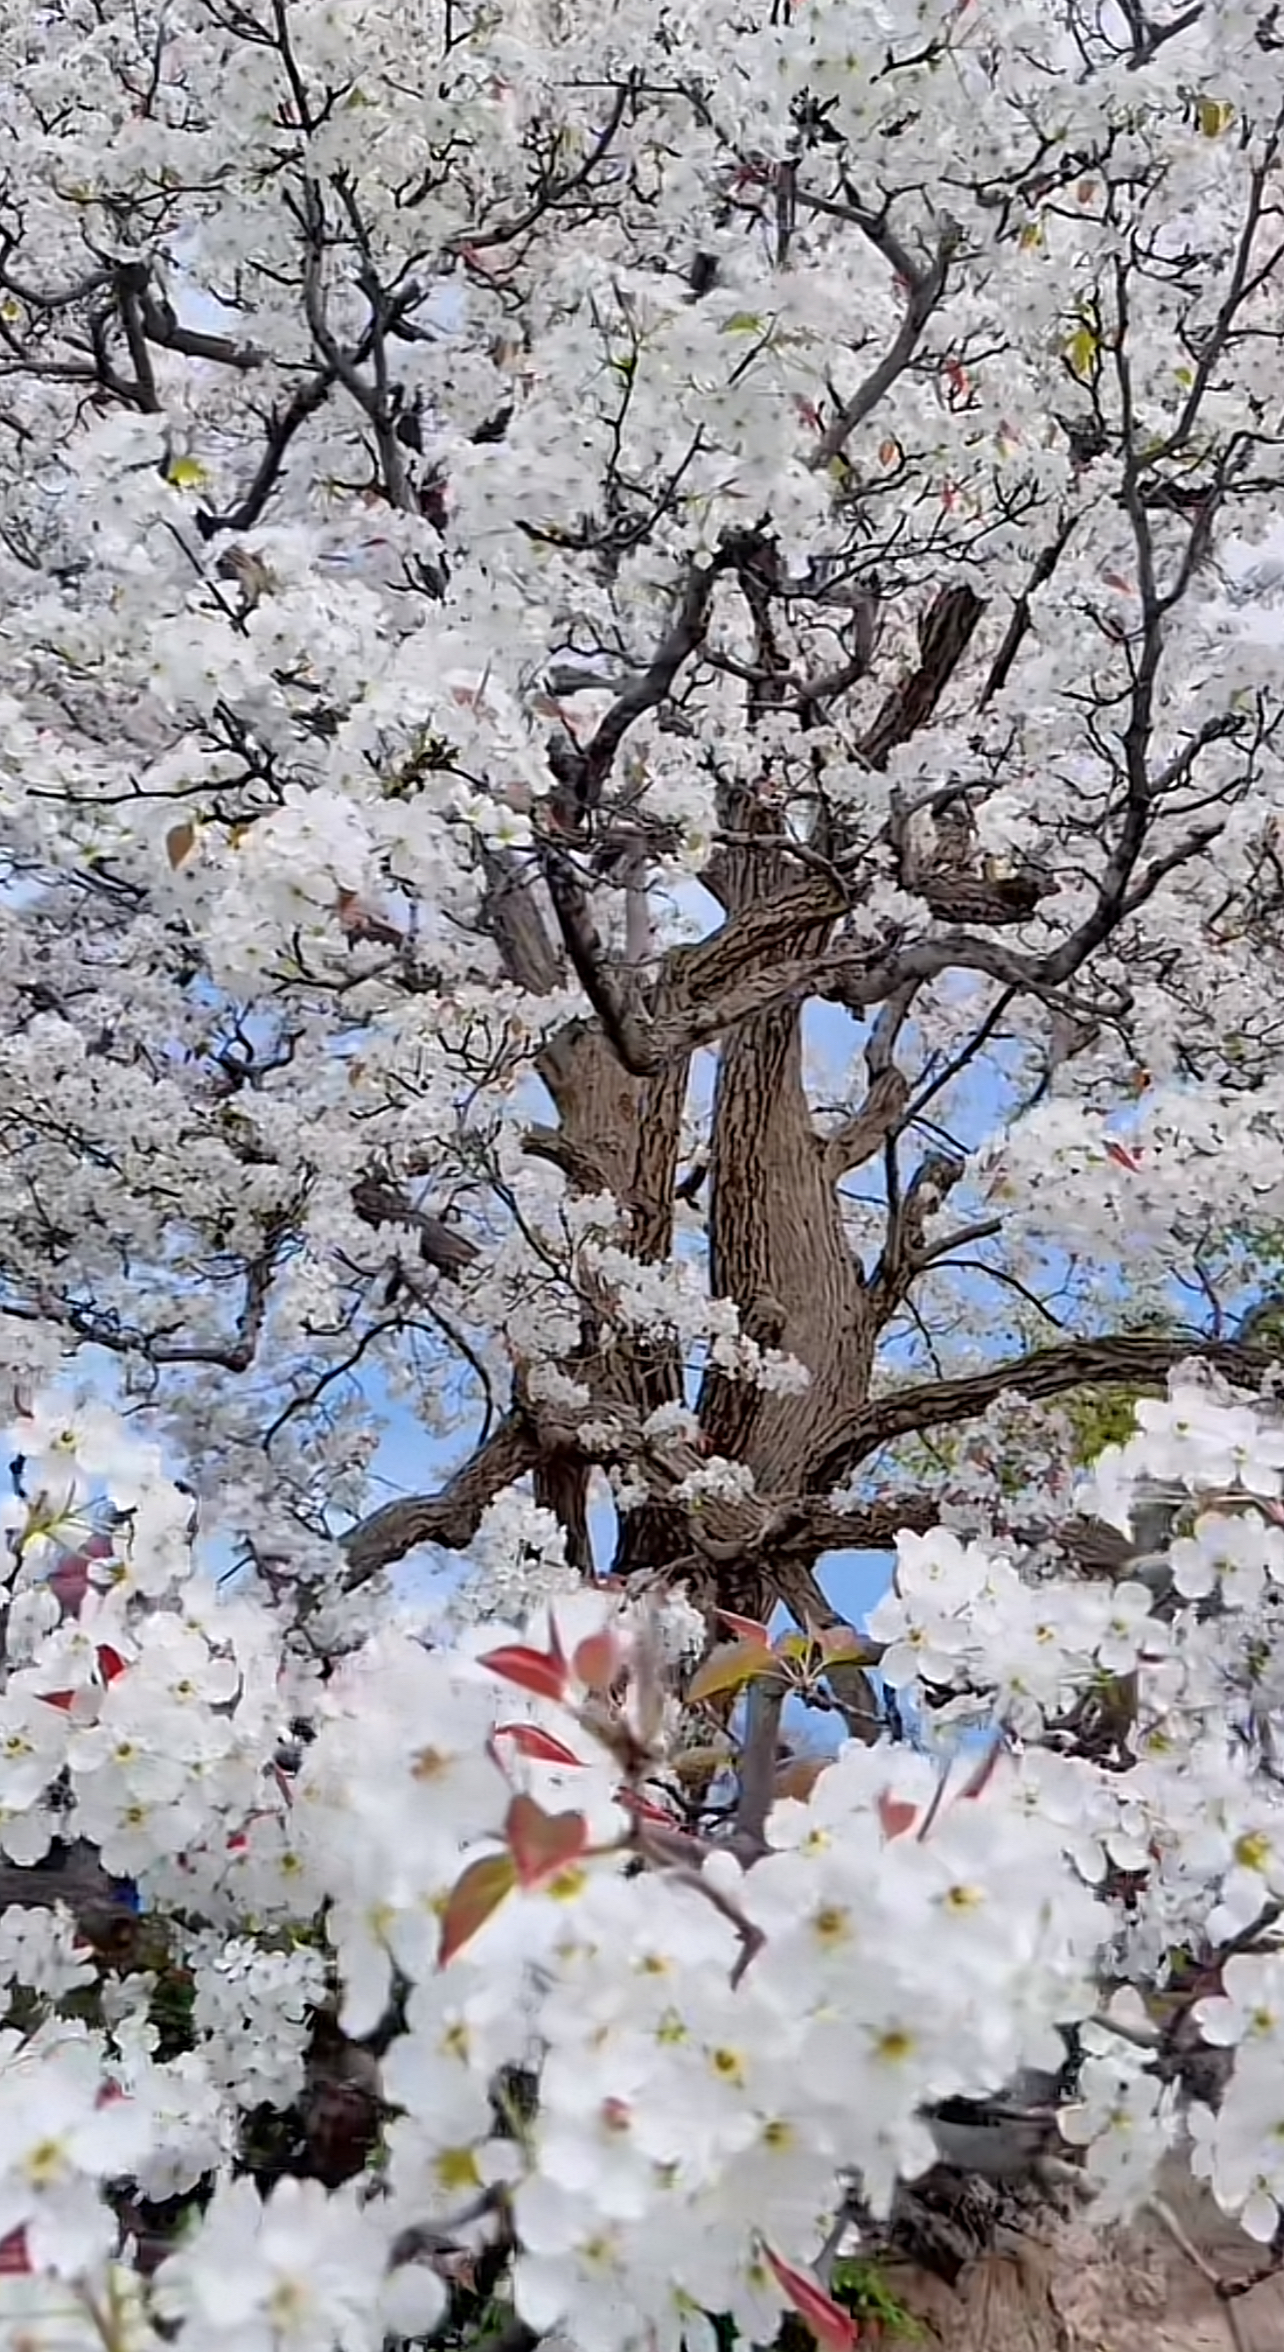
[
  {"x": 1230, "y": 1556},
  {"x": 62, "y": 2137},
  {"x": 1131, "y": 1631},
  {"x": 39, "y": 1948},
  {"x": 1221, "y": 1447},
  {"x": 667, "y": 2068},
  {"x": 640, "y": 786},
  {"x": 1251, "y": 2002},
  {"x": 302, "y": 2269}
]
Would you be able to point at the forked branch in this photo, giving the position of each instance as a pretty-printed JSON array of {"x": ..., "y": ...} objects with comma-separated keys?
[{"x": 451, "y": 1516}]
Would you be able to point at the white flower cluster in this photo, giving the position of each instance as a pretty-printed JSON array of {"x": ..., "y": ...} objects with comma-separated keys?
[
  {"x": 252, "y": 2011},
  {"x": 718, "y": 2043},
  {"x": 41, "y": 1951}
]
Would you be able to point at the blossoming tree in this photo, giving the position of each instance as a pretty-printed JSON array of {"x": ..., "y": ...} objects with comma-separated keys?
[{"x": 639, "y": 827}]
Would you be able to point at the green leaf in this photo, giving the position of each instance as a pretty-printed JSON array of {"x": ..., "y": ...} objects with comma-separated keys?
[
  {"x": 1081, "y": 352},
  {"x": 729, "y": 1669},
  {"x": 1214, "y": 115}
]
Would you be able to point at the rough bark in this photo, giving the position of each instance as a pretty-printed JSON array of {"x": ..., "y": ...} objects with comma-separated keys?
[{"x": 1071, "y": 2288}]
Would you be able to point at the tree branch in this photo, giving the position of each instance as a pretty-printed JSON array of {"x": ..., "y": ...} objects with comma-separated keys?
[
  {"x": 813, "y": 1525},
  {"x": 924, "y": 288},
  {"x": 904, "y": 1253},
  {"x": 946, "y": 632},
  {"x": 587, "y": 770},
  {"x": 452, "y": 1516},
  {"x": 378, "y": 1202},
  {"x": 628, "y": 1036},
  {"x": 758, "y": 1756},
  {"x": 282, "y": 428},
  {"x": 857, "y": 1138},
  {"x": 1127, "y": 1360},
  {"x": 517, "y": 927},
  {"x": 162, "y": 326}
]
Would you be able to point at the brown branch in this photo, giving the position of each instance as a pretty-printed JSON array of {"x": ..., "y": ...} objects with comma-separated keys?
[
  {"x": 579, "y": 1166},
  {"x": 732, "y": 975},
  {"x": 73, "y": 1875},
  {"x": 961, "y": 1237},
  {"x": 905, "y": 1252},
  {"x": 924, "y": 290},
  {"x": 1125, "y": 1360},
  {"x": 452, "y": 1516},
  {"x": 517, "y": 927},
  {"x": 588, "y": 769},
  {"x": 162, "y": 327},
  {"x": 811, "y": 1526},
  {"x": 160, "y": 1347},
  {"x": 879, "y": 1115},
  {"x": 51, "y": 298},
  {"x": 758, "y": 1757},
  {"x": 740, "y": 969},
  {"x": 282, "y": 427},
  {"x": 380, "y": 1202},
  {"x": 1014, "y": 635},
  {"x": 746, "y": 945},
  {"x": 947, "y": 630},
  {"x": 477, "y": 239},
  {"x": 628, "y": 1036}
]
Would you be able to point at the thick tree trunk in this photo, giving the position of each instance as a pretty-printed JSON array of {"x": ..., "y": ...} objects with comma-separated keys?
[
  {"x": 1073, "y": 2289},
  {"x": 778, "y": 1249},
  {"x": 778, "y": 1246}
]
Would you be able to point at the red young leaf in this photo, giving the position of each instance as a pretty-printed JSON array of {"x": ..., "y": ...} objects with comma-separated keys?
[
  {"x": 598, "y": 1659},
  {"x": 1122, "y": 1157},
  {"x": 539, "y": 1745},
  {"x": 70, "y": 1583},
  {"x": 829, "y": 2323},
  {"x": 842, "y": 1641},
  {"x": 60, "y": 1699},
  {"x": 895, "y": 1815},
  {"x": 110, "y": 1662},
  {"x": 541, "y": 1671},
  {"x": 746, "y": 1629},
  {"x": 642, "y": 1808},
  {"x": 71, "y": 1579},
  {"x": 542, "y": 1843},
  {"x": 478, "y": 1891},
  {"x": 14, "y": 2258}
]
